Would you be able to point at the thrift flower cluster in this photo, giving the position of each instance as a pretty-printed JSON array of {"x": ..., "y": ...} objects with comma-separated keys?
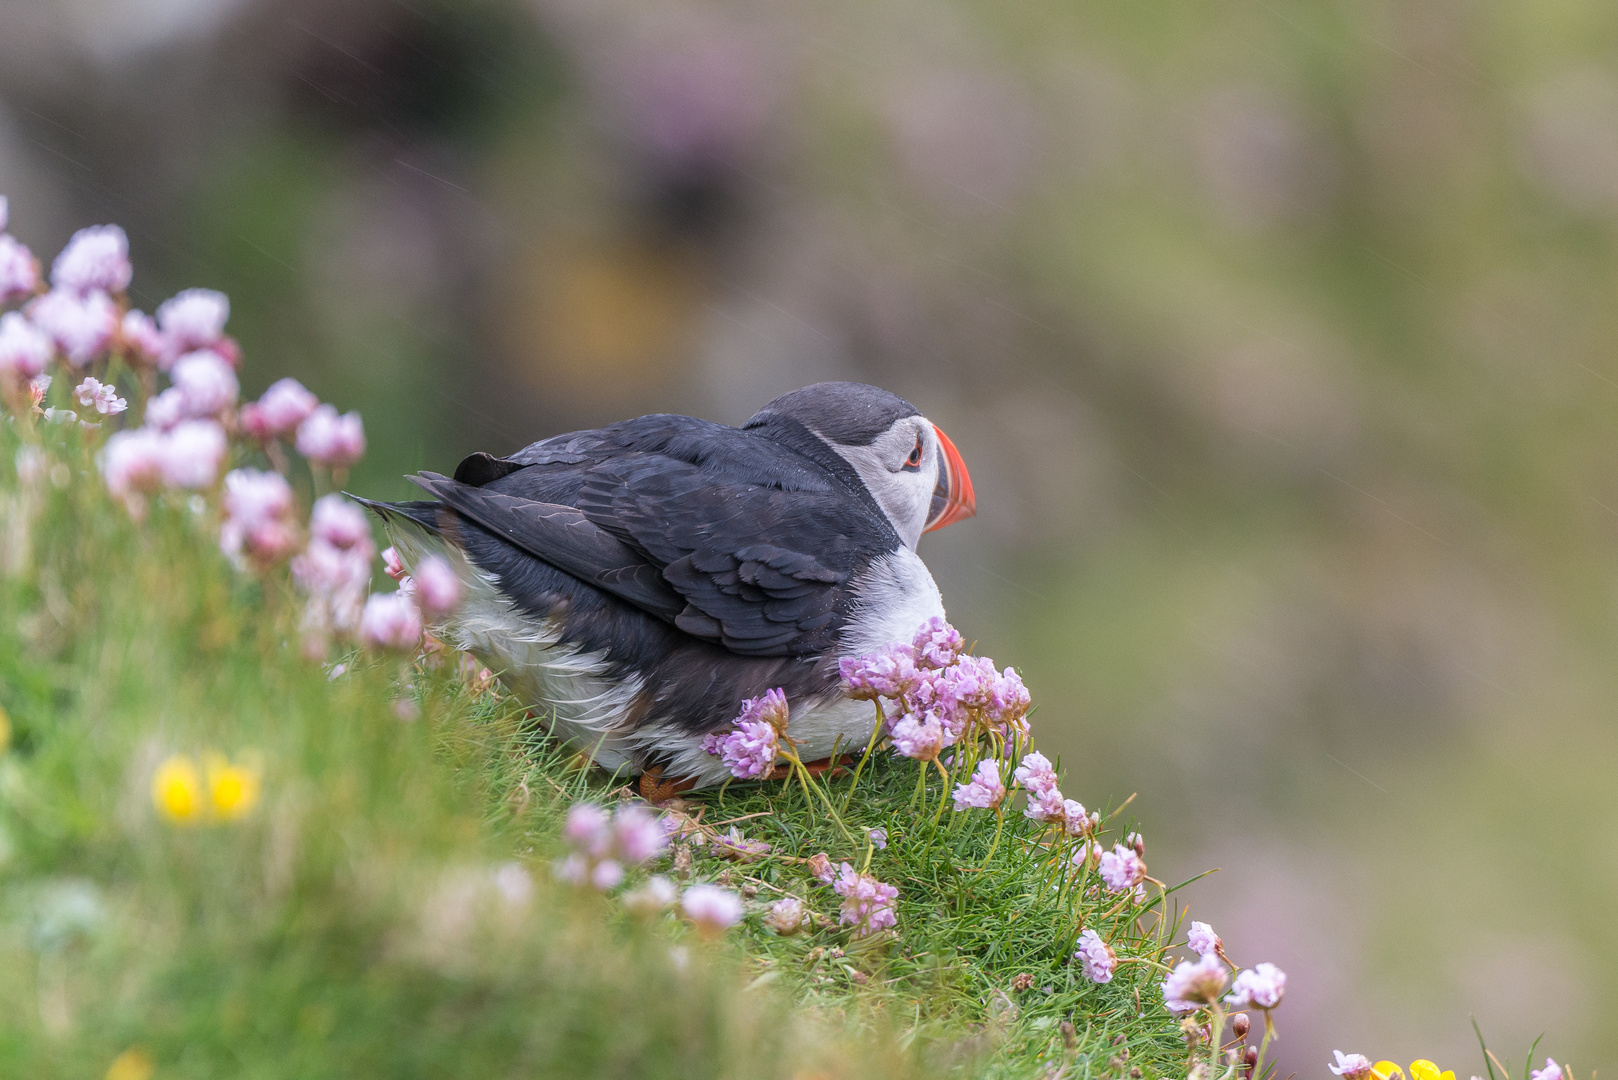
[
  {"x": 1046, "y": 803},
  {"x": 195, "y": 436},
  {"x": 605, "y": 844},
  {"x": 868, "y": 904},
  {"x": 750, "y": 747},
  {"x": 1197, "y": 984},
  {"x": 1096, "y": 957},
  {"x": 940, "y": 694}
]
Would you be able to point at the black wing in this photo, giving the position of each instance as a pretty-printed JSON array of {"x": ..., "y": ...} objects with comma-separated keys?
[
  {"x": 729, "y": 535},
  {"x": 563, "y": 537}
]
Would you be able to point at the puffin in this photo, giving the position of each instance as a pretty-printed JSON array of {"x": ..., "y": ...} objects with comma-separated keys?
[{"x": 634, "y": 584}]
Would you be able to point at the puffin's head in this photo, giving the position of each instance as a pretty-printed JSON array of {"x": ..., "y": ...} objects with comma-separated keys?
[{"x": 907, "y": 463}]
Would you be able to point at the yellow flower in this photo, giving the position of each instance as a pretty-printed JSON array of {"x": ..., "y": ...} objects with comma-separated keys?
[
  {"x": 132, "y": 1064},
  {"x": 232, "y": 789},
  {"x": 177, "y": 790},
  {"x": 1420, "y": 1069}
]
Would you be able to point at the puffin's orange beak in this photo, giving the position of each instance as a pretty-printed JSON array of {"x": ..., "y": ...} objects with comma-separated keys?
[{"x": 952, "y": 498}]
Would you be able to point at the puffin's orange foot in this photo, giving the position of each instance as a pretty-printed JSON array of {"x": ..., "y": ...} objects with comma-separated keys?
[{"x": 656, "y": 788}]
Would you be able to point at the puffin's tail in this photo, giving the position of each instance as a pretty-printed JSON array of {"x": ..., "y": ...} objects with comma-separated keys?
[{"x": 424, "y": 513}]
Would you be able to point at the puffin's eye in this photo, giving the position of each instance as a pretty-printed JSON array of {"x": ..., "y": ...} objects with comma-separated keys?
[{"x": 913, "y": 462}]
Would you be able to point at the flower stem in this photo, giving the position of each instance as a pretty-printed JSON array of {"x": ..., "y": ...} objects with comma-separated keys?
[
  {"x": 943, "y": 799},
  {"x": 1264, "y": 1045},
  {"x": 870, "y": 748},
  {"x": 999, "y": 824},
  {"x": 808, "y": 782},
  {"x": 1218, "y": 1032}
]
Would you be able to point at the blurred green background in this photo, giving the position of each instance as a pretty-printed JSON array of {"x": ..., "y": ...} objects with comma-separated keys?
[{"x": 1280, "y": 337}]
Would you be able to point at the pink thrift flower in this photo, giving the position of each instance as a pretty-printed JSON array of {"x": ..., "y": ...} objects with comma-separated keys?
[
  {"x": 250, "y": 421},
  {"x": 193, "y": 453},
  {"x": 656, "y": 895},
  {"x": 284, "y": 406},
  {"x": 1121, "y": 869},
  {"x": 95, "y": 259},
  {"x": 868, "y": 904},
  {"x": 132, "y": 464},
  {"x": 961, "y": 691},
  {"x": 712, "y": 909},
  {"x": 1076, "y": 821},
  {"x": 1036, "y": 774},
  {"x": 323, "y": 569},
  {"x": 573, "y": 869},
  {"x": 19, "y": 270},
  {"x": 390, "y": 621},
  {"x": 206, "y": 383},
  {"x": 606, "y": 874},
  {"x": 786, "y": 916},
  {"x": 438, "y": 586},
  {"x": 166, "y": 409},
  {"x": 24, "y": 348},
  {"x": 103, "y": 397},
  {"x": 920, "y": 737},
  {"x": 638, "y": 833},
  {"x": 1551, "y": 1071},
  {"x": 1261, "y": 986},
  {"x": 1086, "y": 854},
  {"x": 81, "y": 324},
  {"x": 1096, "y": 957},
  {"x": 1046, "y": 807},
  {"x": 342, "y": 524},
  {"x": 1008, "y": 704},
  {"x": 1193, "y": 984},
  {"x": 258, "y": 517},
  {"x": 1202, "y": 939},
  {"x": 1358, "y": 1066},
  {"x": 392, "y": 565},
  {"x": 328, "y": 439},
  {"x": 984, "y": 791},
  {"x": 887, "y": 672},
  {"x": 769, "y": 707},
  {"x": 194, "y": 319},
  {"x": 142, "y": 338},
  {"x": 588, "y": 829},
  {"x": 937, "y": 644},
  {"x": 748, "y": 750},
  {"x": 820, "y": 866},
  {"x": 878, "y": 838}
]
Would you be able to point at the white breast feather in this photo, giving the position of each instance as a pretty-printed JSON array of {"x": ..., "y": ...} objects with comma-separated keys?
[{"x": 892, "y": 598}]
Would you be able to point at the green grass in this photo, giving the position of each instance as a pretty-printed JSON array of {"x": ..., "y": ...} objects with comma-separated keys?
[{"x": 351, "y": 925}]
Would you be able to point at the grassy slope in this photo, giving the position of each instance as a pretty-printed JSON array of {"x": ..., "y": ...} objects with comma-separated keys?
[{"x": 352, "y": 925}]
